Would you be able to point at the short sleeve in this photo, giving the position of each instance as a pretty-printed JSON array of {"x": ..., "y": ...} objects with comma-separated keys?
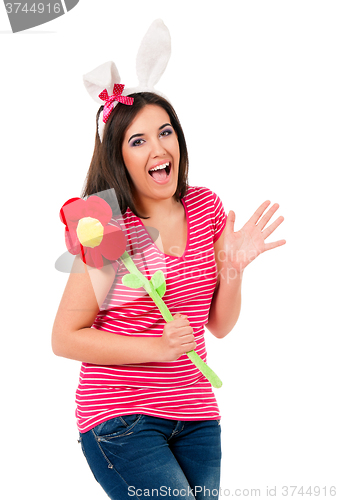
[{"x": 219, "y": 217}]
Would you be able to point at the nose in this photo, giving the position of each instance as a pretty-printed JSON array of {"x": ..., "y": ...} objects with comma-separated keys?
[{"x": 157, "y": 148}]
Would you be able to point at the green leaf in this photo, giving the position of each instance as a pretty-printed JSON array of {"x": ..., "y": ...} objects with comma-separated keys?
[
  {"x": 161, "y": 290},
  {"x": 157, "y": 278},
  {"x": 132, "y": 281},
  {"x": 158, "y": 281}
]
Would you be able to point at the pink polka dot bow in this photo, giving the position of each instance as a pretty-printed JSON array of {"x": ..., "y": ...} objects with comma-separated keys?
[{"x": 116, "y": 96}]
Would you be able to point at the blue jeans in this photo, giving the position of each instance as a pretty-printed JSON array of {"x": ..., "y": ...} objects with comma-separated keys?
[{"x": 139, "y": 456}]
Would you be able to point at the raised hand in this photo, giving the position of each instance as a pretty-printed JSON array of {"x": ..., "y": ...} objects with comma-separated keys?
[{"x": 243, "y": 246}]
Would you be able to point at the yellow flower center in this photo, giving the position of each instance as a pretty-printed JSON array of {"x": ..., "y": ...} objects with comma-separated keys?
[{"x": 90, "y": 232}]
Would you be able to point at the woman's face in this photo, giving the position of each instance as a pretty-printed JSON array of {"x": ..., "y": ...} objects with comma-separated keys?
[{"x": 150, "y": 142}]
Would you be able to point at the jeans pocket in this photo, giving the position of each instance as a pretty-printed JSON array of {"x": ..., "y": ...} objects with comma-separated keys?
[{"x": 116, "y": 427}]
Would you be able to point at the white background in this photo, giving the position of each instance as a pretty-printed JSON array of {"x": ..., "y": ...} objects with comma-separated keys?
[{"x": 255, "y": 86}]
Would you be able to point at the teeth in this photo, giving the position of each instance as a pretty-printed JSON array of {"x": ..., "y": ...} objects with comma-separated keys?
[{"x": 159, "y": 167}]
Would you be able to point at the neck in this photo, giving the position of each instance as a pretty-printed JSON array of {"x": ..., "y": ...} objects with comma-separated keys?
[{"x": 159, "y": 209}]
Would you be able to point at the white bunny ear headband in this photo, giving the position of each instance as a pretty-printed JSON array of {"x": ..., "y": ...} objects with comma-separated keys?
[{"x": 103, "y": 83}]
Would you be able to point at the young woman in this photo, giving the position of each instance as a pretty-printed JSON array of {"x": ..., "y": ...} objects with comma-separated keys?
[{"x": 148, "y": 419}]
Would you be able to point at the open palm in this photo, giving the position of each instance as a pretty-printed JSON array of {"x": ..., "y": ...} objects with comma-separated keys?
[{"x": 243, "y": 246}]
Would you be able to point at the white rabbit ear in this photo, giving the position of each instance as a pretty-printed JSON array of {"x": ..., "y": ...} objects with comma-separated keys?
[
  {"x": 102, "y": 77},
  {"x": 153, "y": 55}
]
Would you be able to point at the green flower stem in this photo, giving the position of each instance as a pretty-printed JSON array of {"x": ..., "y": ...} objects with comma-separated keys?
[{"x": 150, "y": 289}]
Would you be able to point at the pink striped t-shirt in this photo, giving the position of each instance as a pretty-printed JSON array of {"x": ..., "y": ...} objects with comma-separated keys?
[{"x": 177, "y": 389}]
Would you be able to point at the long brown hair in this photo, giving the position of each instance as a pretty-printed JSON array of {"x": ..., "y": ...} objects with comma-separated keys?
[{"x": 107, "y": 169}]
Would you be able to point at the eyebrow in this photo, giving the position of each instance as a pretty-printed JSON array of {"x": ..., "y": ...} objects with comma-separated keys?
[{"x": 140, "y": 135}]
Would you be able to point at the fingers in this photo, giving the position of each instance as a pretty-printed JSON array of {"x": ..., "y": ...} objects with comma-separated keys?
[
  {"x": 181, "y": 320},
  {"x": 275, "y": 244},
  {"x": 184, "y": 329},
  {"x": 265, "y": 219},
  {"x": 259, "y": 212},
  {"x": 177, "y": 338},
  {"x": 256, "y": 216},
  {"x": 230, "y": 222},
  {"x": 180, "y": 316},
  {"x": 272, "y": 227}
]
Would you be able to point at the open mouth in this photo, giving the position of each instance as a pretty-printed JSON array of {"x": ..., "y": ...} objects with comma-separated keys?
[{"x": 161, "y": 172}]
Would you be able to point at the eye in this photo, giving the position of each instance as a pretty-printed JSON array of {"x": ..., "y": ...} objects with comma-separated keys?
[
  {"x": 137, "y": 142},
  {"x": 166, "y": 132}
]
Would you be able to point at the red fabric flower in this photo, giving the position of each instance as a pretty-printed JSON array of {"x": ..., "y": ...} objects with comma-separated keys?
[{"x": 87, "y": 231}]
